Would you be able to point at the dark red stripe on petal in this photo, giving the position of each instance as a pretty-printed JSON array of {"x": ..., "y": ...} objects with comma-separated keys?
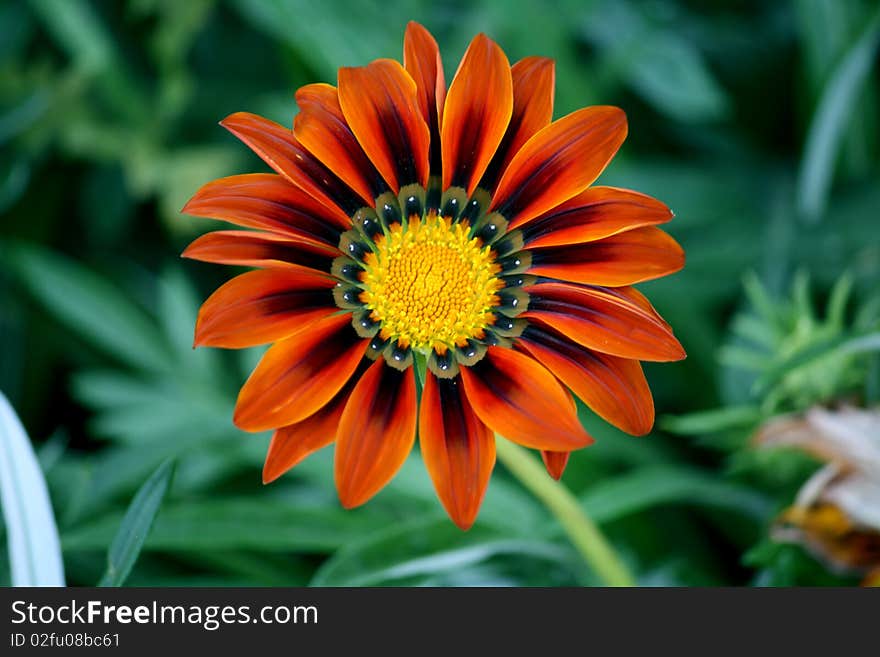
[
  {"x": 376, "y": 432},
  {"x": 381, "y": 107},
  {"x": 268, "y": 202},
  {"x": 633, "y": 256},
  {"x": 277, "y": 146},
  {"x": 251, "y": 249},
  {"x": 476, "y": 113},
  {"x": 559, "y": 162},
  {"x": 458, "y": 449},
  {"x": 603, "y": 320},
  {"x": 293, "y": 443},
  {"x": 299, "y": 375},
  {"x": 615, "y": 388},
  {"x": 321, "y": 127},
  {"x": 533, "y": 86},
  {"x": 594, "y": 214},
  {"x": 520, "y": 399},
  {"x": 263, "y": 306},
  {"x": 555, "y": 462},
  {"x": 421, "y": 59}
]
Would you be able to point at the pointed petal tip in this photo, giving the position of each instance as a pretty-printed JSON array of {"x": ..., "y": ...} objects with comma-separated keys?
[
  {"x": 678, "y": 352},
  {"x": 245, "y": 421},
  {"x": 228, "y": 121},
  {"x": 464, "y": 524},
  {"x": 195, "y": 207},
  {"x": 555, "y": 463},
  {"x": 641, "y": 432},
  {"x": 615, "y": 114},
  {"x": 238, "y": 120},
  {"x": 237, "y": 418},
  {"x": 273, "y": 469},
  {"x": 349, "y": 500},
  {"x": 233, "y": 118}
]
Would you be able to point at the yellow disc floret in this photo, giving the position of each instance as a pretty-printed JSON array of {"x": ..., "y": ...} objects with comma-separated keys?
[{"x": 430, "y": 285}]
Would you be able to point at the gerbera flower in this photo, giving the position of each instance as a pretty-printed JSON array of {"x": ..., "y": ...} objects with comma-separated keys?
[{"x": 434, "y": 261}]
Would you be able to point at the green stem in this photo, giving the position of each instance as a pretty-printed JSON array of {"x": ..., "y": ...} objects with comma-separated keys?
[{"x": 581, "y": 530}]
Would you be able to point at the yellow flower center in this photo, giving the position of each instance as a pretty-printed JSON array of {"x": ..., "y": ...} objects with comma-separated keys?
[{"x": 430, "y": 285}]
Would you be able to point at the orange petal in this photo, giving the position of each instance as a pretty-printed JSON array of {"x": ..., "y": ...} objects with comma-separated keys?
[
  {"x": 277, "y": 146},
  {"x": 247, "y": 248},
  {"x": 520, "y": 399},
  {"x": 263, "y": 306},
  {"x": 595, "y": 213},
  {"x": 476, "y": 113},
  {"x": 602, "y": 320},
  {"x": 533, "y": 83},
  {"x": 615, "y": 388},
  {"x": 376, "y": 432},
  {"x": 268, "y": 202},
  {"x": 632, "y": 295},
  {"x": 291, "y": 444},
  {"x": 559, "y": 162},
  {"x": 421, "y": 59},
  {"x": 555, "y": 462},
  {"x": 320, "y": 126},
  {"x": 627, "y": 258},
  {"x": 299, "y": 375},
  {"x": 381, "y": 105},
  {"x": 458, "y": 449}
]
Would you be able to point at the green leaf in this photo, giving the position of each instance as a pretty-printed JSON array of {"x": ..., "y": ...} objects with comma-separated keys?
[
  {"x": 32, "y": 536},
  {"x": 830, "y": 120},
  {"x": 135, "y": 410},
  {"x": 91, "y": 306},
  {"x": 670, "y": 74},
  {"x": 241, "y": 523},
  {"x": 703, "y": 422},
  {"x": 328, "y": 35},
  {"x": 654, "y": 486},
  {"x": 842, "y": 346},
  {"x": 135, "y": 526},
  {"x": 178, "y": 308},
  {"x": 658, "y": 63},
  {"x": 424, "y": 548},
  {"x": 77, "y": 29}
]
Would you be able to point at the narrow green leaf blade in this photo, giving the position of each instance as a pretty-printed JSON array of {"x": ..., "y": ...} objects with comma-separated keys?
[
  {"x": 34, "y": 548},
  {"x": 264, "y": 524},
  {"x": 711, "y": 421},
  {"x": 827, "y": 127},
  {"x": 136, "y": 524},
  {"x": 91, "y": 306},
  {"x": 652, "y": 486},
  {"x": 422, "y": 548}
]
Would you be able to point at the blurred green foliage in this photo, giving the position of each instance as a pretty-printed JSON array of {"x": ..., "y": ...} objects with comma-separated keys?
[{"x": 755, "y": 121}]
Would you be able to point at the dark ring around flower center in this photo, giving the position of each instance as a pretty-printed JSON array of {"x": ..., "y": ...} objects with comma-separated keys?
[{"x": 485, "y": 238}]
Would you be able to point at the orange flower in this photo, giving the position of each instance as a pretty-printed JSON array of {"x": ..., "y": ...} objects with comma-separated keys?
[{"x": 435, "y": 259}]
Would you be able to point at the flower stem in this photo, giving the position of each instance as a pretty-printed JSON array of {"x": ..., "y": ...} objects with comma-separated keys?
[{"x": 582, "y": 531}]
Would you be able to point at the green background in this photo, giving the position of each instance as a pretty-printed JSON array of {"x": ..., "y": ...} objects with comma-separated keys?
[{"x": 756, "y": 122}]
